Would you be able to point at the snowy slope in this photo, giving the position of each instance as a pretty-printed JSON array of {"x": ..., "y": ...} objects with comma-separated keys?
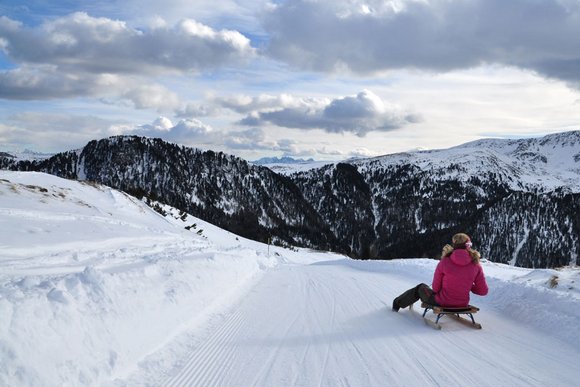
[
  {"x": 92, "y": 280},
  {"x": 98, "y": 289}
]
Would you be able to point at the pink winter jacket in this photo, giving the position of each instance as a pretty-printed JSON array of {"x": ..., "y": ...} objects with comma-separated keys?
[{"x": 455, "y": 276}]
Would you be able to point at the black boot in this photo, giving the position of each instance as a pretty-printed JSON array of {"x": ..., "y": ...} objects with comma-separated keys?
[{"x": 396, "y": 306}]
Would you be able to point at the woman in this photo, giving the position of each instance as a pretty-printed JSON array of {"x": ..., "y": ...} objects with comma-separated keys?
[{"x": 457, "y": 274}]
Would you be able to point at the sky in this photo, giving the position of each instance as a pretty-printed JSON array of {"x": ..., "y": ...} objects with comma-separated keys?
[{"x": 322, "y": 79}]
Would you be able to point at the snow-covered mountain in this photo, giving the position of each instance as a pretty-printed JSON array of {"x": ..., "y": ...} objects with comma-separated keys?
[
  {"x": 26, "y": 154},
  {"x": 519, "y": 199},
  {"x": 250, "y": 200},
  {"x": 99, "y": 288},
  {"x": 281, "y": 160},
  {"x": 289, "y": 165},
  {"x": 539, "y": 164}
]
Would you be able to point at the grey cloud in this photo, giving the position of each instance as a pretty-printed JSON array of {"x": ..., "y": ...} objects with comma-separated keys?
[
  {"x": 79, "y": 42},
  {"x": 50, "y": 132},
  {"x": 197, "y": 110},
  {"x": 253, "y": 119},
  {"x": 359, "y": 114},
  {"x": 245, "y": 104},
  {"x": 251, "y": 139},
  {"x": 46, "y": 82},
  {"x": 436, "y": 35}
]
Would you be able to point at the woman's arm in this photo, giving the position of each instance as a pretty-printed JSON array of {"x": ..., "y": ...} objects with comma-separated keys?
[
  {"x": 438, "y": 278},
  {"x": 480, "y": 284}
]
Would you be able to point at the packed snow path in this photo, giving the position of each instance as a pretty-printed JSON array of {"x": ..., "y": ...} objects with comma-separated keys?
[{"x": 328, "y": 324}]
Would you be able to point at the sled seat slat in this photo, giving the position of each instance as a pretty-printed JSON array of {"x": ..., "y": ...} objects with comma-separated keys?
[{"x": 446, "y": 310}]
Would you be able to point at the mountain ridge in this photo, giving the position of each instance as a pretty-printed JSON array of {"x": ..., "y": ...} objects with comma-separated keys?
[{"x": 393, "y": 206}]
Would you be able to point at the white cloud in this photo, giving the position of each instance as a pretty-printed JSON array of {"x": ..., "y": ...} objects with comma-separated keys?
[
  {"x": 82, "y": 43},
  {"x": 83, "y": 56},
  {"x": 193, "y": 109},
  {"x": 152, "y": 96},
  {"x": 359, "y": 114},
  {"x": 245, "y": 104},
  {"x": 186, "y": 131},
  {"x": 241, "y": 15}
]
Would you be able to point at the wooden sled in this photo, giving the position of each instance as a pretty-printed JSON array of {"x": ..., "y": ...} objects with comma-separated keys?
[{"x": 454, "y": 313}]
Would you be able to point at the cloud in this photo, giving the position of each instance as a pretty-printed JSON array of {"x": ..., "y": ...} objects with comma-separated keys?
[
  {"x": 186, "y": 131},
  {"x": 193, "y": 109},
  {"x": 437, "y": 35},
  {"x": 79, "y": 55},
  {"x": 256, "y": 140},
  {"x": 359, "y": 114},
  {"x": 146, "y": 96},
  {"x": 194, "y": 132},
  {"x": 252, "y": 139},
  {"x": 242, "y": 104},
  {"x": 45, "y": 82},
  {"x": 52, "y": 132},
  {"x": 79, "y": 42},
  {"x": 245, "y": 104}
]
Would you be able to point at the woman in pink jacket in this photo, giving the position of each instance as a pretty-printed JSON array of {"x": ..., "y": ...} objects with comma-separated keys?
[{"x": 457, "y": 274}]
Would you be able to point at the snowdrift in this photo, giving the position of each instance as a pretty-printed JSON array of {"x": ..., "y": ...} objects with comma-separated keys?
[{"x": 92, "y": 280}]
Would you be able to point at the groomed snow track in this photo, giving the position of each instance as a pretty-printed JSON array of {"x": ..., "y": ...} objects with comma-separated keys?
[{"x": 329, "y": 324}]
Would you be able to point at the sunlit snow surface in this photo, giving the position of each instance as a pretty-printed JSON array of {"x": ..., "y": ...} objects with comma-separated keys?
[
  {"x": 96, "y": 288},
  {"x": 543, "y": 164}
]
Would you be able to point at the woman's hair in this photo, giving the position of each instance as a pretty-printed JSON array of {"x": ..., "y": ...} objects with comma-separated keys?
[{"x": 461, "y": 241}]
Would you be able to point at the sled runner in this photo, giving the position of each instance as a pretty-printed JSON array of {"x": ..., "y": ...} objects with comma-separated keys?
[{"x": 454, "y": 313}]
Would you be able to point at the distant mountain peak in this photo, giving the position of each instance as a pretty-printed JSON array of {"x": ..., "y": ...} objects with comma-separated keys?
[{"x": 282, "y": 160}]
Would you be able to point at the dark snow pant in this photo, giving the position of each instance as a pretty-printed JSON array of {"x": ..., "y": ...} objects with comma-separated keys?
[{"x": 420, "y": 292}]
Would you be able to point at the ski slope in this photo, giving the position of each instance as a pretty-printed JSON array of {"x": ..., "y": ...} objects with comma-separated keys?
[
  {"x": 98, "y": 289},
  {"x": 326, "y": 324}
]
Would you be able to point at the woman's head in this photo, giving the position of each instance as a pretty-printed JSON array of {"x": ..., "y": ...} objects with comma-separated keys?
[{"x": 461, "y": 241}]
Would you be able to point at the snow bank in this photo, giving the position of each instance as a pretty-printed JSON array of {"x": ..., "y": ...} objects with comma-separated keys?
[{"x": 93, "y": 280}]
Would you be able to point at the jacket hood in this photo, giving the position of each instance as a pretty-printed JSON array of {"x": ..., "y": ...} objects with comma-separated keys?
[{"x": 460, "y": 257}]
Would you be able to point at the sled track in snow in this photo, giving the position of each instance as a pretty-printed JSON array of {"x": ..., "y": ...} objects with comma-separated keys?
[{"x": 206, "y": 365}]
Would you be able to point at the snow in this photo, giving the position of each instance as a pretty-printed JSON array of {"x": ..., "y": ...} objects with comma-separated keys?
[
  {"x": 27, "y": 154},
  {"x": 289, "y": 169},
  {"x": 98, "y": 289},
  {"x": 543, "y": 164}
]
